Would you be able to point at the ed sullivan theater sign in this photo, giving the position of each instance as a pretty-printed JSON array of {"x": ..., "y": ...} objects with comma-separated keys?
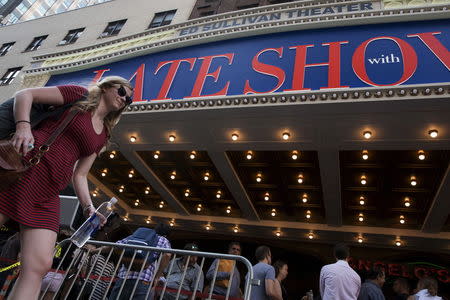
[{"x": 334, "y": 58}]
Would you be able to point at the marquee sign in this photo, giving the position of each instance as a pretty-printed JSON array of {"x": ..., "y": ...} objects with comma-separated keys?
[{"x": 378, "y": 55}]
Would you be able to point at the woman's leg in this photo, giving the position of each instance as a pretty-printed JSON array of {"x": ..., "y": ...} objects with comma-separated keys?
[{"x": 36, "y": 256}]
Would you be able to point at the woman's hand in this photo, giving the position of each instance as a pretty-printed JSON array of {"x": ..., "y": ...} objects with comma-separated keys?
[
  {"x": 23, "y": 140},
  {"x": 90, "y": 210}
]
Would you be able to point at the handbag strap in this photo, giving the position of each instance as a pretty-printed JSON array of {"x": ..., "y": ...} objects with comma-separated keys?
[{"x": 46, "y": 146}]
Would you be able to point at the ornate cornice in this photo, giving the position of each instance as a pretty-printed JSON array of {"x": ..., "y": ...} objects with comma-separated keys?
[
  {"x": 321, "y": 96},
  {"x": 167, "y": 37}
]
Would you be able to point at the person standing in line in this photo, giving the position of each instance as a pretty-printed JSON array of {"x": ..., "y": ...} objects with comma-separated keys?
[
  {"x": 427, "y": 290},
  {"x": 224, "y": 272},
  {"x": 33, "y": 201},
  {"x": 265, "y": 273},
  {"x": 281, "y": 272},
  {"x": 401, "y": 288},
  {"x": 371, "y": 288},
  {"x": 339, "y": 281}
]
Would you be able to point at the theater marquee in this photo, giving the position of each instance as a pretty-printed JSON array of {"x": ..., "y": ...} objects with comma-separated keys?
[{"x": 334, "y": 58}]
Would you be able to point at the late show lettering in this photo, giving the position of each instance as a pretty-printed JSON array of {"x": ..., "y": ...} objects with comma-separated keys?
[{"x": 173, "y": 69}]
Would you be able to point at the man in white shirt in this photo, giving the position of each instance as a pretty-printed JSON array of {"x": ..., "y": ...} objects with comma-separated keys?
[{"x": 339, "y": 281}]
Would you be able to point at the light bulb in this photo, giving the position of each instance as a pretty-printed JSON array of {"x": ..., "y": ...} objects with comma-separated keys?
[
  {"x": 360, "y": 240},
  {"x": 361, "y": 217},
  {"x": 266, "y": 196},
  {"x": 249, "y": 155},
  {"x": 236, "y": 229},
  {"x": 173, "y": 175},
  {"x": 131, "y": 174},
  {"x": 208, "y": 227},
  {"x": 147, "y": 221},
  {"x": 161, "y": 204},
  {"x": 206, "y": 176},
  {"x": 193, "y": 155},
  {"x": 172, "y": 223},
  {"x": 187, "y": 192},
  {"x": 308, "y": 214},
  {"x": 94, "y": 194},
  {"x": 104, "y": 172},
  {"x": 278, "y": 234},
  {"x": 413, "y": 180},
  {"x": 362, "y": 200},
  {"x": 228, "y": 211},
  {"x": 402, "y": 219},
  {"x": 300, "y": 178},
  {"x": 407, "y": 202},
  {"x": 433, "y": 133},
  {"x": 112, "y": 154},
  {"x": 310, "y": 236},
  {"x": 172, "y": 138},
  {"x": 147, "y": 190},
  {"x": 219, "y": 194},
  {"x": 286, "y": 136},
  {"x": 398, "y": 243},
  {"x": 199, "y": 207},
  {"x": 273, "y": 212},
  {"x": 133, "y": 139},
  {"x": 258, "y": 177},
  {"x": 365, "y": 155},
  {"x": 234, "y": 136},
  {"x": 305, "y": 198},
  {"x": 367, "y": 134},
  {"x": 125, "y": 218},
  {"x": 121, "y": 189},
  {"x": 421, "y": 154},
  {"x": 156, "y": 154},
  {"x": 294, "y": 155},
  {"x": 363, "y": 179}
]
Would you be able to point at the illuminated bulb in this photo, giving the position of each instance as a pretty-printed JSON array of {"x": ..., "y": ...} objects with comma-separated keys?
[
  {"x": 360, "y": 239},
  {"x": 413, "y": 180},
  {"x": 112, "y": 154},
  {"x": 133, "y": 139},
  {"x": 172, "y": 138},
  {"x": 94, "y": 194},
  {"x": 362, "y": 200},
  {"x": 258, "y": 177},
  {"x": 407, "y": 202},
  {"x": 274, "y": 212},
  {"x": 228, "y": 209},
  {"x": 199, "y": 207},
  {"x": 310, "y": 235},
  {"x": 136, "y": 203},
  {"x": 208, "y": 227},
  {"x": 398, "y": 243},
  {"x": 219, "y": 194},
  {"x": 286, "y": 136},
  {"x": 172, "y": 223},
  {"x": 125, "y": 218},
  {"x": 433, "y": 133},
  {"x": 300, "y": 178},
  {"x": 249, "y": 155},
  {"x": 121, "y": 189},
  {"x": 402, "y": 219},
  {"x": 234, "y": 136},
  {"x": 193, "y": 155},
  {"x": 173, "y": 175},
  {"x": 294, "y": 155},
  {"x": 131, "y": 174},
  {"x": 365, "y": 155},
  {"x": 156, "y": 154},
  {"x": 236, "y": 229},
  {"x": 206, "y": 176},
  {"x": 308, "y": 214},
  {"x": 363, "y": 179},
  {"x": 147, "y": 190},
  {"x": 187, "y": 192},
  {"x": 361, "y": 217},
  {"x": 161, "y": 204},
  {"x": 421, "y": 154},
  {"x": 278, "y": 234},
  {"x": 147, "y": 221},
  {"x": 266, "y": 196},
  {"x": 305, "y": 198},
  {"x": 367, "y": 135}
]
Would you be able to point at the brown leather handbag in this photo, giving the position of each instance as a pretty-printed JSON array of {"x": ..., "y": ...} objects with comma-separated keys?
[{"x": 12, "y": 165}]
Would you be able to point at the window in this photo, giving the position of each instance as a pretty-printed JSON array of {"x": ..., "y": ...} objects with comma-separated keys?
[
  {"x": 248, "y": 6},
  {"x": 36, "y": 43},
  {"x": 206, "y": 13},
  {"x": 113, "y": 28},
  {"x": 5, "y": 48},
  {"x": 162, "y": 18},
  {"x": 10, "y": 75},
  {"x": 72, "y": 36}
]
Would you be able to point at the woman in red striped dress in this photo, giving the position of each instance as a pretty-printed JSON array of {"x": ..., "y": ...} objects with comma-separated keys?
[{"x": 33, "y": 201}]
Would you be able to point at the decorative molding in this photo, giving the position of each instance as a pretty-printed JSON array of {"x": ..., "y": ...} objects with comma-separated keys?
[
  {"x": 353, "y": 95},
  {"x": 143, "y": 43},
  {"x": 34, "y": 80}
]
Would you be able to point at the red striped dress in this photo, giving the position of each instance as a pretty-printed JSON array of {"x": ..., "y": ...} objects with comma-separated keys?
[{"x": 34, "y": 201}]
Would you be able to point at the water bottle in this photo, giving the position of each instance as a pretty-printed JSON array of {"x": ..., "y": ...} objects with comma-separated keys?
[{"x": 90, "y": 226}]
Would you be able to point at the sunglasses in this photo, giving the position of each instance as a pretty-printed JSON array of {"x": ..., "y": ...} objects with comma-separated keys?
[{"x": 123, "y": 93}]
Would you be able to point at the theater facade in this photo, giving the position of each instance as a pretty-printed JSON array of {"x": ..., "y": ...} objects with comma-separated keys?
[{"x": 305, "y": 123}]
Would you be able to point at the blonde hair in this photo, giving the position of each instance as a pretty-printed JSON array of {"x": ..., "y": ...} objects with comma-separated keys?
[
  {"x": 428, "y": 283},
  {"x": 93, "y": 99}
]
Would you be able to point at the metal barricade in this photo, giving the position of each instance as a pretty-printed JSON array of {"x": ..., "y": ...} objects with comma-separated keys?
[{"x": 103, "y": 270}]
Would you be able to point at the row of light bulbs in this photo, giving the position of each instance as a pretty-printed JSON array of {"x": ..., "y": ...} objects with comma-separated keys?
[
  {"x": 286, "y": 135},
  {"x": 406, "y": 201},
  {"x": 420, "y": 154},
  {"x": 412, "y": 180},
  {"x": 278, "y": 232}
]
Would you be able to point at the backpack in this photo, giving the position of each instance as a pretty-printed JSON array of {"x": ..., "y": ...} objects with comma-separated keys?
[
  {"x": 38, "y": 113},
  {"x": 145, "y": 237}
]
